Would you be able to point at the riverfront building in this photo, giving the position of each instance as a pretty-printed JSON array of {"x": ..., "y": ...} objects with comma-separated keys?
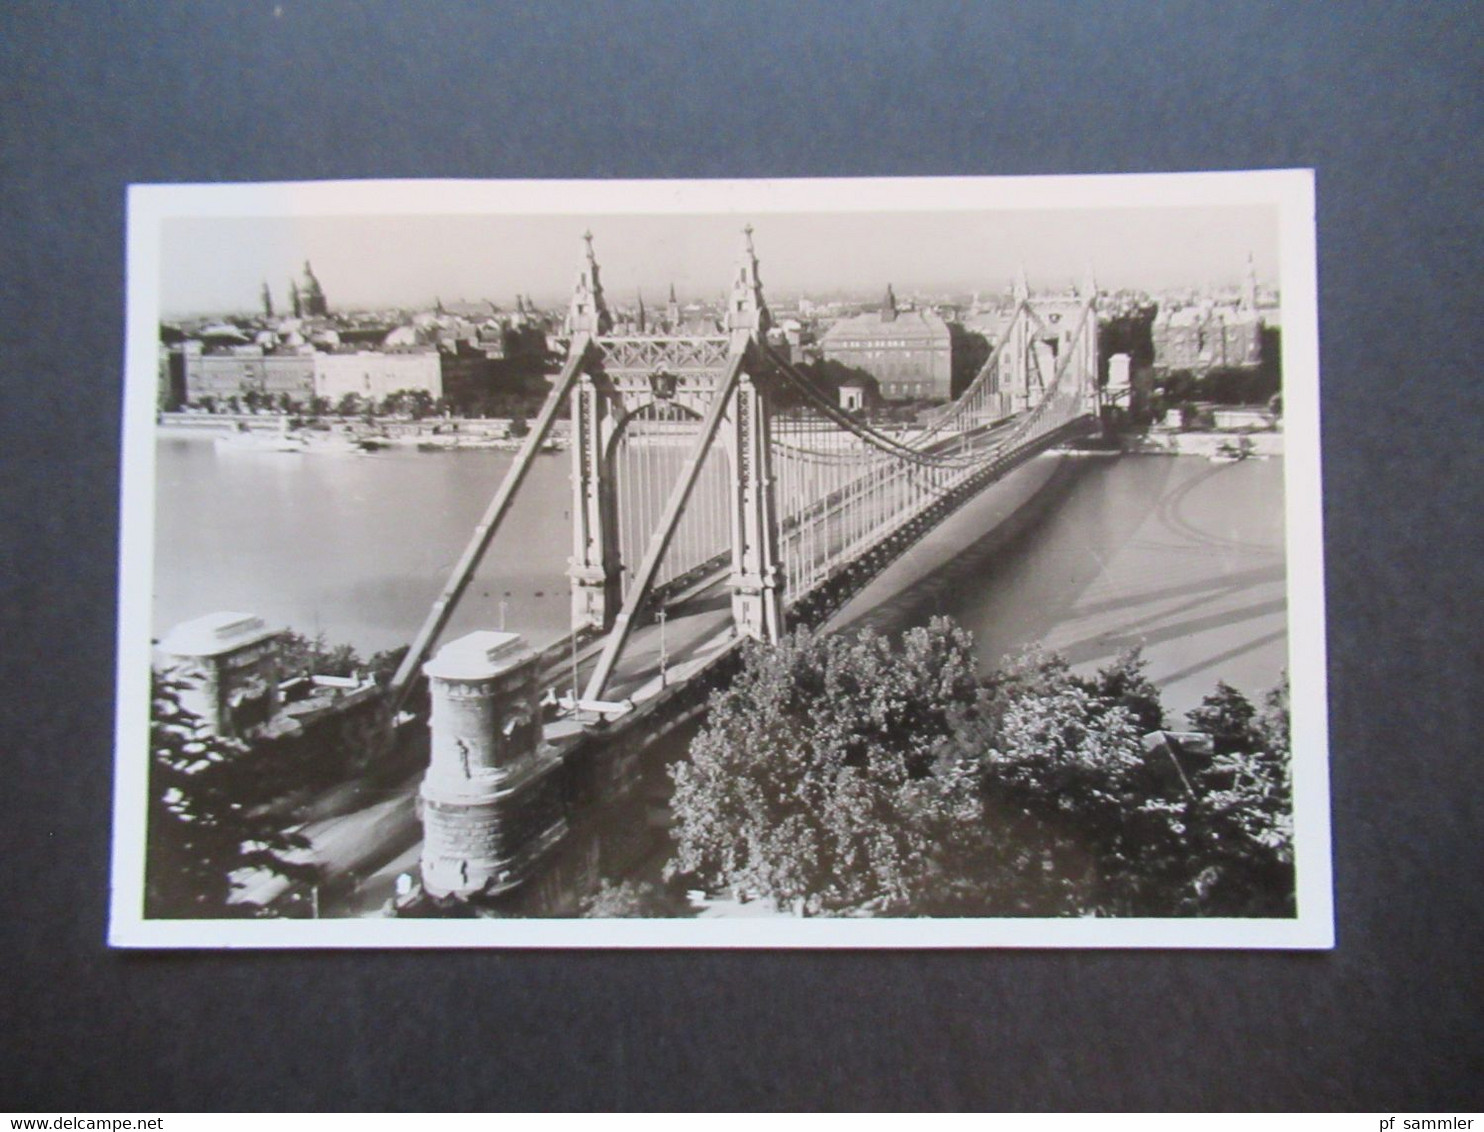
[
  {"x": 303, "y": 374},
  {"x": 1207, "y": 335},
  {"x": 443, "y": 353},
  {"x": 376, "y": 375},
  {"x": 232, "y": 374},
  {"x": 909, "y": 353}
]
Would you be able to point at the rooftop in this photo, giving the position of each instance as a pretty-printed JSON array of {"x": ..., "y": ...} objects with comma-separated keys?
[
  {"x": 1205, "y": 313},
  {"x": 216, "y": 633},
  {"x": 918, "y": 324}
]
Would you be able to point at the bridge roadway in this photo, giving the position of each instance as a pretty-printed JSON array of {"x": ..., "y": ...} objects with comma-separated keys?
[{"x": 376, "y": 836}]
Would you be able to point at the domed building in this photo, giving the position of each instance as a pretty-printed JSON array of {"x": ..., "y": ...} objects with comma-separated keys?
[{"x": 308, "y": 296}]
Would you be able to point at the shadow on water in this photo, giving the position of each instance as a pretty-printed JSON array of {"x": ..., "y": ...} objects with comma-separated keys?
[
  {"x": 1000, "y": 586},
  {"x": 1174, "y": 555},
  {"x": 1201, "y": 591},
  {"x": 1106, "y": 644},
  {"x": 1210, "y": 663}
]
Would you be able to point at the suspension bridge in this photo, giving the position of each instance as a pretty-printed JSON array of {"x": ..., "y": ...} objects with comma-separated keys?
[{"x": 718, "y": 495}]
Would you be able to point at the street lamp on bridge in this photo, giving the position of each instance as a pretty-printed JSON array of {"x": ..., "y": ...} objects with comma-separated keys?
[{"x": 662, "y": 616}]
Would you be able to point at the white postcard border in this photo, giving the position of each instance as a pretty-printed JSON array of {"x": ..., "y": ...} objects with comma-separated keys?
[{"x": 1291, "y": 191}]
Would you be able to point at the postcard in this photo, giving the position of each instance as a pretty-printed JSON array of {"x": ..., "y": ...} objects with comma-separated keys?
[{"x": 803, "y": 563}]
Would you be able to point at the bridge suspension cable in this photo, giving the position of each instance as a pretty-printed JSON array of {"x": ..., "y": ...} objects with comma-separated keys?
[{"x": 666, "y": 499}]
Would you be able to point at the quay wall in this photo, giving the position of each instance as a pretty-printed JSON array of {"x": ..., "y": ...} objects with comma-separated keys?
[{"x": 1204, "y": 443}]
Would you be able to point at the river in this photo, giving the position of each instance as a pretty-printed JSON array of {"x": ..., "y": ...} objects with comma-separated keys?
[{"x": 1177, "y": 554}]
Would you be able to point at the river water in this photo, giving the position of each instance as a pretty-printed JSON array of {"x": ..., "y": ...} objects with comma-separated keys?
[{"x": 1177, "y": 554}]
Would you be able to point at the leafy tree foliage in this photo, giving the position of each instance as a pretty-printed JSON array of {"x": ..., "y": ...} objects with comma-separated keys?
[
  {"x": 1120, "y": 829},
  {"x": 383, "y": 665},
  {"x": 1065, "y": 767},
  {"x": 315, "y": 656},
  {"x": 205, "y": 818},
  {"x": 416, "y": 403},
  {"x": 848, "y": 773},
  {"x": 629, "y": 899},
  {"x": 821, "y": 780},
  {"x": 1229, "y": 718},
  {"x": 1246, "y": 812}
]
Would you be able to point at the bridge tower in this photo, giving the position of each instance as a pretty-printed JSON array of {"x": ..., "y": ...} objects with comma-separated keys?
[
  {"x": 1018, "y": 347},
  {"x": 720, "y": 381},
  {"x": 595, "y": 566},
  {"x": 1085, "y": 344},
  {"x": 757, "y": 605}
]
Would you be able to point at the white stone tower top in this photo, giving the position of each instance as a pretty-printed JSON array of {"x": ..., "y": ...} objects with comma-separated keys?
[
  {"x": 216, "y": 633},
  {"x": 478, "y": 656}
]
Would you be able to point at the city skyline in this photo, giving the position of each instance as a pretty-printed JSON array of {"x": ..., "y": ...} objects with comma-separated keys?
[{"x": 219, "y": 265}]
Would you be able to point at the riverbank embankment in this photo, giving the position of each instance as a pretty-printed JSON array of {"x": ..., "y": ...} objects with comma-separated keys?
[
  {"x": 427, "y": 434},
  {"x": 1208, "y": 444}
]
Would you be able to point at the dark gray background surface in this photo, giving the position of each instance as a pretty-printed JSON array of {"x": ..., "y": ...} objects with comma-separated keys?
[{"x": 1384, "y": 100}]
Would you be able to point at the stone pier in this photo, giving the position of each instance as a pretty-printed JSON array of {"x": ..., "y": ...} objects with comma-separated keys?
[{"x": 491, "y": 800}]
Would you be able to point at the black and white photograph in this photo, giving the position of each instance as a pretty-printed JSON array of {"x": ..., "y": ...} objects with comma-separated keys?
[{"x": 817, "y": 563}]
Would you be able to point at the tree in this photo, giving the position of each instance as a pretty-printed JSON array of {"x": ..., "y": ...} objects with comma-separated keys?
[
  {"x": 316, "y": 657},
  {"x": 628, "y": 899},
  {"x": 1229, "y": 718},
  {"x": 418, "y": 402},
  {"x": 842, "y": 774},
  {"x": 1246, "y": 832},
  {"x": 1126, "y": 683},
  {"x": 383, "y": 665},
  {"x": 205, "y": 826},
  {"x": 1125, "y": 835},
  {"x": 1064, "y": 767},
  {"x": 819, "y": 781},
  {"x": 349, "y": 405}
]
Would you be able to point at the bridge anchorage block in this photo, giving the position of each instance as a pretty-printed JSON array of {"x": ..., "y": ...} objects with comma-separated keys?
[{"x": 491, "y": 804}]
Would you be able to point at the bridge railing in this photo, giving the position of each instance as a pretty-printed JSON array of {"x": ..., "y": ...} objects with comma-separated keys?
[{"x": 880, "y": 489}]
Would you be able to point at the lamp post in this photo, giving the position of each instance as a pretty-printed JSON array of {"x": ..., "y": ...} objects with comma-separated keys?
[
  {"x": 504, "y": 601},
  {"x": 663, "y": 616},
  {"x": 574, "y": 674}
]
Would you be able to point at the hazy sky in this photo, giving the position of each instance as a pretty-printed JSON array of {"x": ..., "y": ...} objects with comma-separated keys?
[{"x": 220, "y": 264}]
